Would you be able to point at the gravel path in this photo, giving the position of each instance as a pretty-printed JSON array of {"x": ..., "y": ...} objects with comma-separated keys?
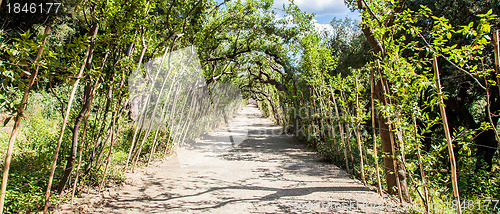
[{"x": 264, "y": 172}]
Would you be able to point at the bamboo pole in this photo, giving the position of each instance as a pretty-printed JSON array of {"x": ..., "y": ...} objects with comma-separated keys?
[
  {"x": 169, "y": 65},
  {"x": 496, "y": 41},
  {"x": 172, "y": 112},
  {"x": 94, "y": 30},
  {"x": 98, "y": 135},
  {"x": 448, "y": 137},
  {"x": 17, "y": 122},
  {"x": 358, "y": 131},
  {"x": 348, "y": 132},
  {"x": 80, "y": 153},
  {"x": 152, "y": 151},
  {"x": 313, "y": 114},
  {"x": 339, "y": 123},
  {"x": 332, "y": 130},
  {"x": 109, "y": 128},
  {"x": 403, "y": 183},
  {"x": 173, "y": 126},
  {"x": 77, "y": 173},
  {"x": 163, "y": 118},
  {"x": 395, "y": 162},
  {"x": 114, "y": 129},
  {"x": 142, "y": 116},
  {"x": 422, "y": 173},
  {"x": 326, "y": 116},
  {"x": 374, "y": 134},
  {"x": 191, "y": 116},
  {"x": 134, "y": 137},
  {"x": 113, "y": 133},
  {"x": 151, "y": 119}
]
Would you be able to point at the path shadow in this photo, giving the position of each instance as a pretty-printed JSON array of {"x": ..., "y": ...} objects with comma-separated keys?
[
  {"x": 168, "y": 201},
  {"x": 264, "y": 143}
]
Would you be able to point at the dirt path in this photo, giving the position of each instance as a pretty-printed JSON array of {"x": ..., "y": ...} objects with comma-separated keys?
[{"x": 266, "y": 173}]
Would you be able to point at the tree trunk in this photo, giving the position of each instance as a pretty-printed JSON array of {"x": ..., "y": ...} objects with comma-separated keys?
[
  {"x": 77, "y": 173},
  {"x": 385, "y": 138},
  {"x": 92, "y": 93},
  {"x": 76, "y": 129},
  {"x": 17, "y": 122},
  {"x": 385, "y": 132},
  {"x": 390, "y": 147},
  {"x": 114, "y": 128},
  {"x": 88, "y": 54}
]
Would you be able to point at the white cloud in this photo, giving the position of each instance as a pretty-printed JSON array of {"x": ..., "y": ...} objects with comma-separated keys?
[
  {"x": 322, "y": 27},
  {"x": 318, "y": 7}
]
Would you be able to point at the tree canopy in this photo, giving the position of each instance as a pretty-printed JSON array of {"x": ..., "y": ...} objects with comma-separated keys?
[{"x": 413, "y": 86}]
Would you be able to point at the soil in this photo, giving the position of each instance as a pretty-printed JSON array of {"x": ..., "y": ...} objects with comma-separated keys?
[{"x": 259, "y": 170}]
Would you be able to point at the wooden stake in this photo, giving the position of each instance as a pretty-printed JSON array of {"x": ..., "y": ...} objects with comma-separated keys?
[
  {"x": 17, "y": 122},
  {"x": 358, "y": 131},
  {"x": 374, "y": 134},
  {"x": 496, "y": 41},
  {"x": 142, "y": 114},
  {"x": 348, "y": 132},
  {"x": 339, "y": 123},
  {"x": 422, "y": 173},
  {"x": 88, "y": 53},
  {"x": 332, "y": 130},
  {"x": 113, "y": 133},
  {"x": 77, "y": 173},
  {"x": 448, "y": 137},
  {"x": 151, "y": 119},
  {"x": 80, "y": 154}
]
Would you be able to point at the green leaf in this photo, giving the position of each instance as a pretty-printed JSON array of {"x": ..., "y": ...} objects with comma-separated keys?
[{"x": 6, "y": 121}]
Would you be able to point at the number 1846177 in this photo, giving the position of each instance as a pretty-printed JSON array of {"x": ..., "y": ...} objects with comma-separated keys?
[{"x": 33, "y": 7}]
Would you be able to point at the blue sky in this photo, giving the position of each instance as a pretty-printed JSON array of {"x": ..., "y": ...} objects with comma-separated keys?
[{"x": 324, "y": 10}]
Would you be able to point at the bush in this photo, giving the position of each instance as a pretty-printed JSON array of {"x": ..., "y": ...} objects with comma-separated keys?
[{"x": 33, "y": 152}]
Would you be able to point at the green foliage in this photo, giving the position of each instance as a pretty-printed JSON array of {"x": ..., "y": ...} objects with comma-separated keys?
[
  {"x": 348, "y": 44},
  {"x": 33, "y": 152},
  {"x": 309, "y": 82}
]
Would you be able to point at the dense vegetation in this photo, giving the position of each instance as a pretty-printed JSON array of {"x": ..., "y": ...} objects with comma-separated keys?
[{"x": 406, "y": 100}]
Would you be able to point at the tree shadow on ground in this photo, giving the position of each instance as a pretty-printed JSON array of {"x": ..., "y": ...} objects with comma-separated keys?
[{"x": 264, "y": 143}]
